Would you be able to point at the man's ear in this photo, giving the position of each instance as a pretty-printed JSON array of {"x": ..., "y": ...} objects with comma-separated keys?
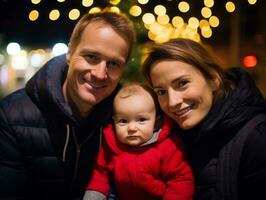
[{"x": 68, "y": 53}]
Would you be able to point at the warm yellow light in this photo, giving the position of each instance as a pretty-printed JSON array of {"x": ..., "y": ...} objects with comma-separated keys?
[
  {"x": 164, "y": 36},
  {"x": 178, "y": 21},
  {"x": 204, "y": 23},
  {"x": 206, "y": 12},
  {"x": 61, "y": 1},
  {"x": 147, "y": 26},
  {"x": 163, "y": 19},
  {"x": 143, "y": 1},
  {"x": 151, "y": 35},
  {"x": 252, "y": 2},
  {"x": 54, "y": 15},
  {"x": 159, "y": 10},
  {"x": 209, "y": 3},
  {"x": 33, "y": 15},
  {"x": 183, "y": 6},
  {"x": 74, "y": 14},
  {"x": 20, "y": 61},
  {"x": 175, "y": 33},
  {"x": 206, "y": 32},
  {"x": 156, "y": 28},
  {"x": 230, "y": 6},
  {"x": 148, "y": 18},
  {"x": 196, "y": 37},
  {"x": 87, "y": 3},
  {"x": 193, "y": 22},
  {"x": 214, "y": 21},
  {"x": 135, "y": 11},
  {"x": 35, "y": 1},
  {"x": 185, "y": 32},
  {"x": 114, "y": 2},
  {"x": 115, "y": 9},
  {"x": 168, "y": 25},
  {"x": 95, "y": 10},
  {"x": 191, "y": 33}
]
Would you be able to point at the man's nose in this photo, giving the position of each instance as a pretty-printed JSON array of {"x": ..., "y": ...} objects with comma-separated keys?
[{"x": 100, "y": 70}]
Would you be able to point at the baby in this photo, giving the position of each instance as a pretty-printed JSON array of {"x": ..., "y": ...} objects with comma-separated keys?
[{"x": 139, "y": 155}]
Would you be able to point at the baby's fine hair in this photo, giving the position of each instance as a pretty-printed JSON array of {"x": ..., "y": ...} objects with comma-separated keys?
[{"x": 133, "y": 88}]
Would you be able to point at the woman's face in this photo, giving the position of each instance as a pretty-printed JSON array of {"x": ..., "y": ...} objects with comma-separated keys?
[{"x": 183, "y": 92}]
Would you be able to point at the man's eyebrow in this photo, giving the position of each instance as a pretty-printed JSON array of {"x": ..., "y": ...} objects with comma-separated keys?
[
  {"x": 121, "y": 60},
  {"x": 86, "y": 51}
]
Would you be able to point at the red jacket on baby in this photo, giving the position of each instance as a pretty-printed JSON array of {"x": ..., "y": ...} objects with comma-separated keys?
[{"x": 156, "y": 170}]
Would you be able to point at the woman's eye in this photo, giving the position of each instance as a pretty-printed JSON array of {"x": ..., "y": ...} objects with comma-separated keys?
[
  {"x": 182, "y": 83},
  {"x": 160, "y": 92}
]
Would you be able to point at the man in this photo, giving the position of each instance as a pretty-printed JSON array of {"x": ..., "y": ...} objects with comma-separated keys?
[{"x": 50, "y": 130}]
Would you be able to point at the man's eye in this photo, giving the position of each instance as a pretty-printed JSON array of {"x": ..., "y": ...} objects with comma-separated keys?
[
  {"x": 113, "y": 65},
  {"x": 91, "y": 58}
]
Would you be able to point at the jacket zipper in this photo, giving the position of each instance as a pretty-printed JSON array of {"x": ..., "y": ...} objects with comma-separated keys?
[
  {"x": 77, "y": 155},
  {"x": 78, "y": 150},
  {"x": 66, "y": 143}
]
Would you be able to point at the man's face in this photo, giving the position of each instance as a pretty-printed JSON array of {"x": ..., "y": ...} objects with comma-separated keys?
[{"x": 95, "y": 67}]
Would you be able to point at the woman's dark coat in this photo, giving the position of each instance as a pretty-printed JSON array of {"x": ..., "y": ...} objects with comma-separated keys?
[
  {"x": 226, "y": 117},
  {"x": 45, "y": 151}
]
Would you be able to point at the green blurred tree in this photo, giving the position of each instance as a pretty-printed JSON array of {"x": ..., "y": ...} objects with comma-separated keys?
[{"x": 133, "y": 68}]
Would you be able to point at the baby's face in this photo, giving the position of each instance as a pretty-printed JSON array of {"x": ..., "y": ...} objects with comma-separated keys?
[{"x": 134, "y": 118}]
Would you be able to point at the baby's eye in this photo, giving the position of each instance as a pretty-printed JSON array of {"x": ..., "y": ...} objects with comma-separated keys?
[
  {"x": 142, "y": 120},
  {"x": 121, "y": 121}
]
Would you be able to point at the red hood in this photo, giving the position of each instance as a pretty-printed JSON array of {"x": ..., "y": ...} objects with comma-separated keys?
[{"x": 117, "y": 147}]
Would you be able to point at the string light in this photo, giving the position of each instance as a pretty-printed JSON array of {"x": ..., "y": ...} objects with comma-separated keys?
[
  {"x": 33, "y": 15},
  {"x": 159, "y": 21}
]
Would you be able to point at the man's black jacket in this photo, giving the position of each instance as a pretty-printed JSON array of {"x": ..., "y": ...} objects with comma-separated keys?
[{"x": 45, "y": 152}]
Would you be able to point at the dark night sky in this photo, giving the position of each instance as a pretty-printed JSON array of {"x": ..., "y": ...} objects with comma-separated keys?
[{"x": 14, "y": 25}]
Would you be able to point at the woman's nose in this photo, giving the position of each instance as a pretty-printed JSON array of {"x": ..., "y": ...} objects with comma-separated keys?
[{"x": 174, "y": 98}]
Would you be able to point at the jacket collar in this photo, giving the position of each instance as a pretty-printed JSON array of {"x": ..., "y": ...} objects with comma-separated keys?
[
  {"x": 45, "y": 90},
  {"x": 231, "y": 112}
]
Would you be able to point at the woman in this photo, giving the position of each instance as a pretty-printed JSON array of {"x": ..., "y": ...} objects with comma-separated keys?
[{"x": 210, "y": 105}]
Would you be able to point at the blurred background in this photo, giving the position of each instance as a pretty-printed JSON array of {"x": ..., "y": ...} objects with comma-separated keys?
[{"x": 33, "y": 31}]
